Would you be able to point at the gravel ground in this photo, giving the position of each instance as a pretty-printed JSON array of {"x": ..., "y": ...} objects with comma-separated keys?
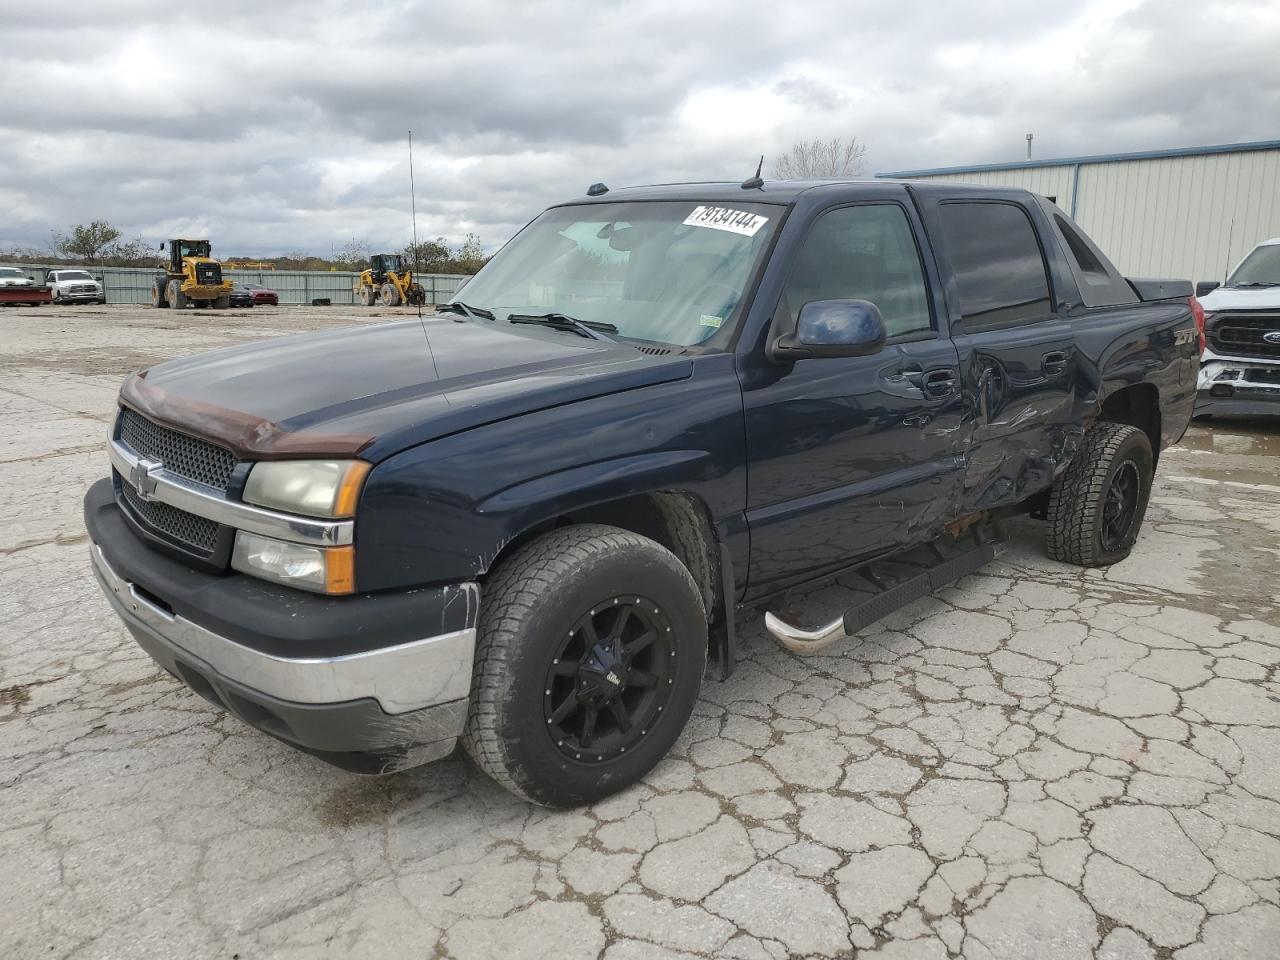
[{"x": 1037, "y": 762}]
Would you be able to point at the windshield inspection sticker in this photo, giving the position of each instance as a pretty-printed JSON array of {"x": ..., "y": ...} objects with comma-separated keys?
[
  {"x": 726, "y": 218},
  {"x": 709, "y": 321}
]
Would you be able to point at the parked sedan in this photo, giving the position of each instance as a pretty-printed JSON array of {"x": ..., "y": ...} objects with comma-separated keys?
[
  {"x": 241, "y": 296},
  {"x": 263, "y": 294},
  {"x": 75, "y": 286}
]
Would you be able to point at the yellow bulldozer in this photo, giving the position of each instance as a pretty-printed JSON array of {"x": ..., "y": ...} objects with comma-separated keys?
[
  {"x": 190, "y": 276},
  {"x": 388, "y": 281}
]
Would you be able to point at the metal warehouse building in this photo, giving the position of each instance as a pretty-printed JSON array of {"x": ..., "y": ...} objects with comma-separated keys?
[{"x": 1188, "y": 213}]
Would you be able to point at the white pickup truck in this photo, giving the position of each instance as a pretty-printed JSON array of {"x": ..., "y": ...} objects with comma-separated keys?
[{"x": 1240, "y": 367}]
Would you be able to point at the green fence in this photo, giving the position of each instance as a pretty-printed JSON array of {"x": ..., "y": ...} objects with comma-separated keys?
[{"x": 133, "y": 284}]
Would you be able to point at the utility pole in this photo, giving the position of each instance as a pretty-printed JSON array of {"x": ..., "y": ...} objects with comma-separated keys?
[{"x": 1030, "y": 136}]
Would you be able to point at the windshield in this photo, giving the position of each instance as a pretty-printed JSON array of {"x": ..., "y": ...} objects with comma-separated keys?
[
  {"x": 1262, "y": 266},
  {"x": 194, "y": 248},
  {"x": 73, "y": 275},
  {"x": 671, "y": 272}
]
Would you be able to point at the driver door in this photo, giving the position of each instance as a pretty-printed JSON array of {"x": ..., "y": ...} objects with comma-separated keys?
[{"x": 850, "y": 457}]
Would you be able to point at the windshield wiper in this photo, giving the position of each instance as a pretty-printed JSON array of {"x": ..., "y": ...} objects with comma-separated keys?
[
  {"x": 457, "y": 306},
  {"x": 591, "y": 329},
  {"x": 1257, "y": 283}
]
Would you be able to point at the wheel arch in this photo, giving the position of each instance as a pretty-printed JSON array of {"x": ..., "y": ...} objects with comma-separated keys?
[
  {"x": 678, "y": 520},
  {"x": 1139, "y": 406}
]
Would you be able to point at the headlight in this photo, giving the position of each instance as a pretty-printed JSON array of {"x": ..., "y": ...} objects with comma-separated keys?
[
  {"x": 318, "y": 569},
  {"x": 313, "y": 488}
]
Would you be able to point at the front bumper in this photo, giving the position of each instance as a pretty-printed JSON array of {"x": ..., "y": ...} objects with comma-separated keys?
[
  {"x": 206, "y": 291},
  {"x": 1244, "y": 388},
  {"x": 86, "y": 297},
  {"x": 333, "y": 678}
]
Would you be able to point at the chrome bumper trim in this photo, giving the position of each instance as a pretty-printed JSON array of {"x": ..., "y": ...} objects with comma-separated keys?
[
  {"x": 403, "y": 678},
  {"x": 213, "y": 505}
]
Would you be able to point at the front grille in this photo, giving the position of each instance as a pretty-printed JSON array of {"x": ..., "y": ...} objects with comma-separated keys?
[
  {"x": 1263, "y": 375},
  {"x": 195, "y": 532},
  {"x": 1241, "y": 335},
  {"x": 208, "y": 274},
  {"x": 84, "y": 288},
  {"x": 186, "y": 456}
]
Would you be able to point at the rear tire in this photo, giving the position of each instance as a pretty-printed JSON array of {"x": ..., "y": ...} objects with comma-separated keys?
[
  {"x": 530, "y": 725},
  {"x": 177, "y": 299},
  {"x": 1096, "y": 507},
  {"x": 390, "y": 295},
  {"x": 221, "y": 303}
]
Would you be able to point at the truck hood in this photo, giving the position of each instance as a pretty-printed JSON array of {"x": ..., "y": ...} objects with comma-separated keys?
[
  {"x": 1242, "y": 298},
  {"x": 377, "y": 389}
]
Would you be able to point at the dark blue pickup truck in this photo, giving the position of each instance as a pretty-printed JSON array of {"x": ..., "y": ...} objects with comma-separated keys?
[{"x": 526, "y": 520}]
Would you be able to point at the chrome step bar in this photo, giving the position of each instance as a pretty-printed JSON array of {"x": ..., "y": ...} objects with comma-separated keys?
[{"x": 880, "y": 605}]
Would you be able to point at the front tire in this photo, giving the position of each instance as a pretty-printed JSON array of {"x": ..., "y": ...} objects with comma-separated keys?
[
  {"x": 390, "y": 295},
  {"x": 1096, "y": 507},
  {"x": 590, "y": 652}
]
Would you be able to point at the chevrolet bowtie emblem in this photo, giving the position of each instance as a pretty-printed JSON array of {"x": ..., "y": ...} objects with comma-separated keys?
[{"x": 141, "y": 475}]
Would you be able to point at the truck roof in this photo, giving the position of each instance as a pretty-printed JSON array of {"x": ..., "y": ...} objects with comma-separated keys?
[{"x": 776, "y": 191}]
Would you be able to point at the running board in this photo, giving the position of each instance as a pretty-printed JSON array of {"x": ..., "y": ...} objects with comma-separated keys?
[{"x": 881, "y": 604}]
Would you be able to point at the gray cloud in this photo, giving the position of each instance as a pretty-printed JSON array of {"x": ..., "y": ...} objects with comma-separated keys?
[{"x": 285, "y": 129}]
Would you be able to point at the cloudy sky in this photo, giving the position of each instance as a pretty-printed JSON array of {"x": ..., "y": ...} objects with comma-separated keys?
[{"x": 274, "y": 126}]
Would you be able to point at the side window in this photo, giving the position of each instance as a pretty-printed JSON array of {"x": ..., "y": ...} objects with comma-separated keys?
[
  {"x": 997, "y": 263},
  {"x": 866, "y": 252}
]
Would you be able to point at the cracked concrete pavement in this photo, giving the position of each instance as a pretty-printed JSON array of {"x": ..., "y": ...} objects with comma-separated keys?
[{"x": 1039, "y": 761}]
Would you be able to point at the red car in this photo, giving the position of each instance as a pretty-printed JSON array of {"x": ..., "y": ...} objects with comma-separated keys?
[{"x": 263, "y": 294}]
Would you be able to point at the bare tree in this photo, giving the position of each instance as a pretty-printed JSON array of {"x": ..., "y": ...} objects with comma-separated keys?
[
  {"x": 817, "y": 159},
  {"x": 354, "y": 252},
  {"x": 89, "y": 242},
  {"x": 470, "y": 256}
]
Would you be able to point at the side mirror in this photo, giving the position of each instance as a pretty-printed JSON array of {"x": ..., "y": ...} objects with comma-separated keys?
[
  {"x": 1206, "y": 286},
  {"x": 162, "y": 245},
  {"x": 831, "y": 328}
]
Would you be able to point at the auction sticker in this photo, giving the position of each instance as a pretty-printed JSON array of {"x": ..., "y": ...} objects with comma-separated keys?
[{"x": 726, "y": 218}]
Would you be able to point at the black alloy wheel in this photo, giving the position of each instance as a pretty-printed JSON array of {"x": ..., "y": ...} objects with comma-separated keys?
[
  {"x": 1097, "y": 504},
  {"x": 610, "y": 680},
  {"x": 590, "y": 650},
  {"x": 1121, "y": 506}
]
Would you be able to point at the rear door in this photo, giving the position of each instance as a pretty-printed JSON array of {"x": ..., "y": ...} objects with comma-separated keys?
[
  {"x": 1017, "y": 351},
  {"x": 850, "y": 456}
]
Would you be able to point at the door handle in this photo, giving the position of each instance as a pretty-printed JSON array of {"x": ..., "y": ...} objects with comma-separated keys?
[
  {"x": 1053, "y": 362},
  {"x": 913, "y": 374},
  {"x": 937, "y": 384}
]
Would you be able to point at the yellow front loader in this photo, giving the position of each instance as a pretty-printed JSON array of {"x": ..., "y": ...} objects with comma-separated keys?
[
  {"x": 388, "y": 281},
  {"x": 191, "y": 276}
]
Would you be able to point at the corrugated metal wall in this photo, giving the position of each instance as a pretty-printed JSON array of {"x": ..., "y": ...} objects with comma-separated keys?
[
  {"x": 1186, "y": 216},
  {"x": 133, "y": 284}
]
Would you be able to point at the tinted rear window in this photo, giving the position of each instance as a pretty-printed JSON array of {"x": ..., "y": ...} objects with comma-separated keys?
[{"x": 998, "y": 266}]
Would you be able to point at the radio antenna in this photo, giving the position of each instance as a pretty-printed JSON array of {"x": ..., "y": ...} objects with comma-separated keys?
[{"x": 413, "y": 206}]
